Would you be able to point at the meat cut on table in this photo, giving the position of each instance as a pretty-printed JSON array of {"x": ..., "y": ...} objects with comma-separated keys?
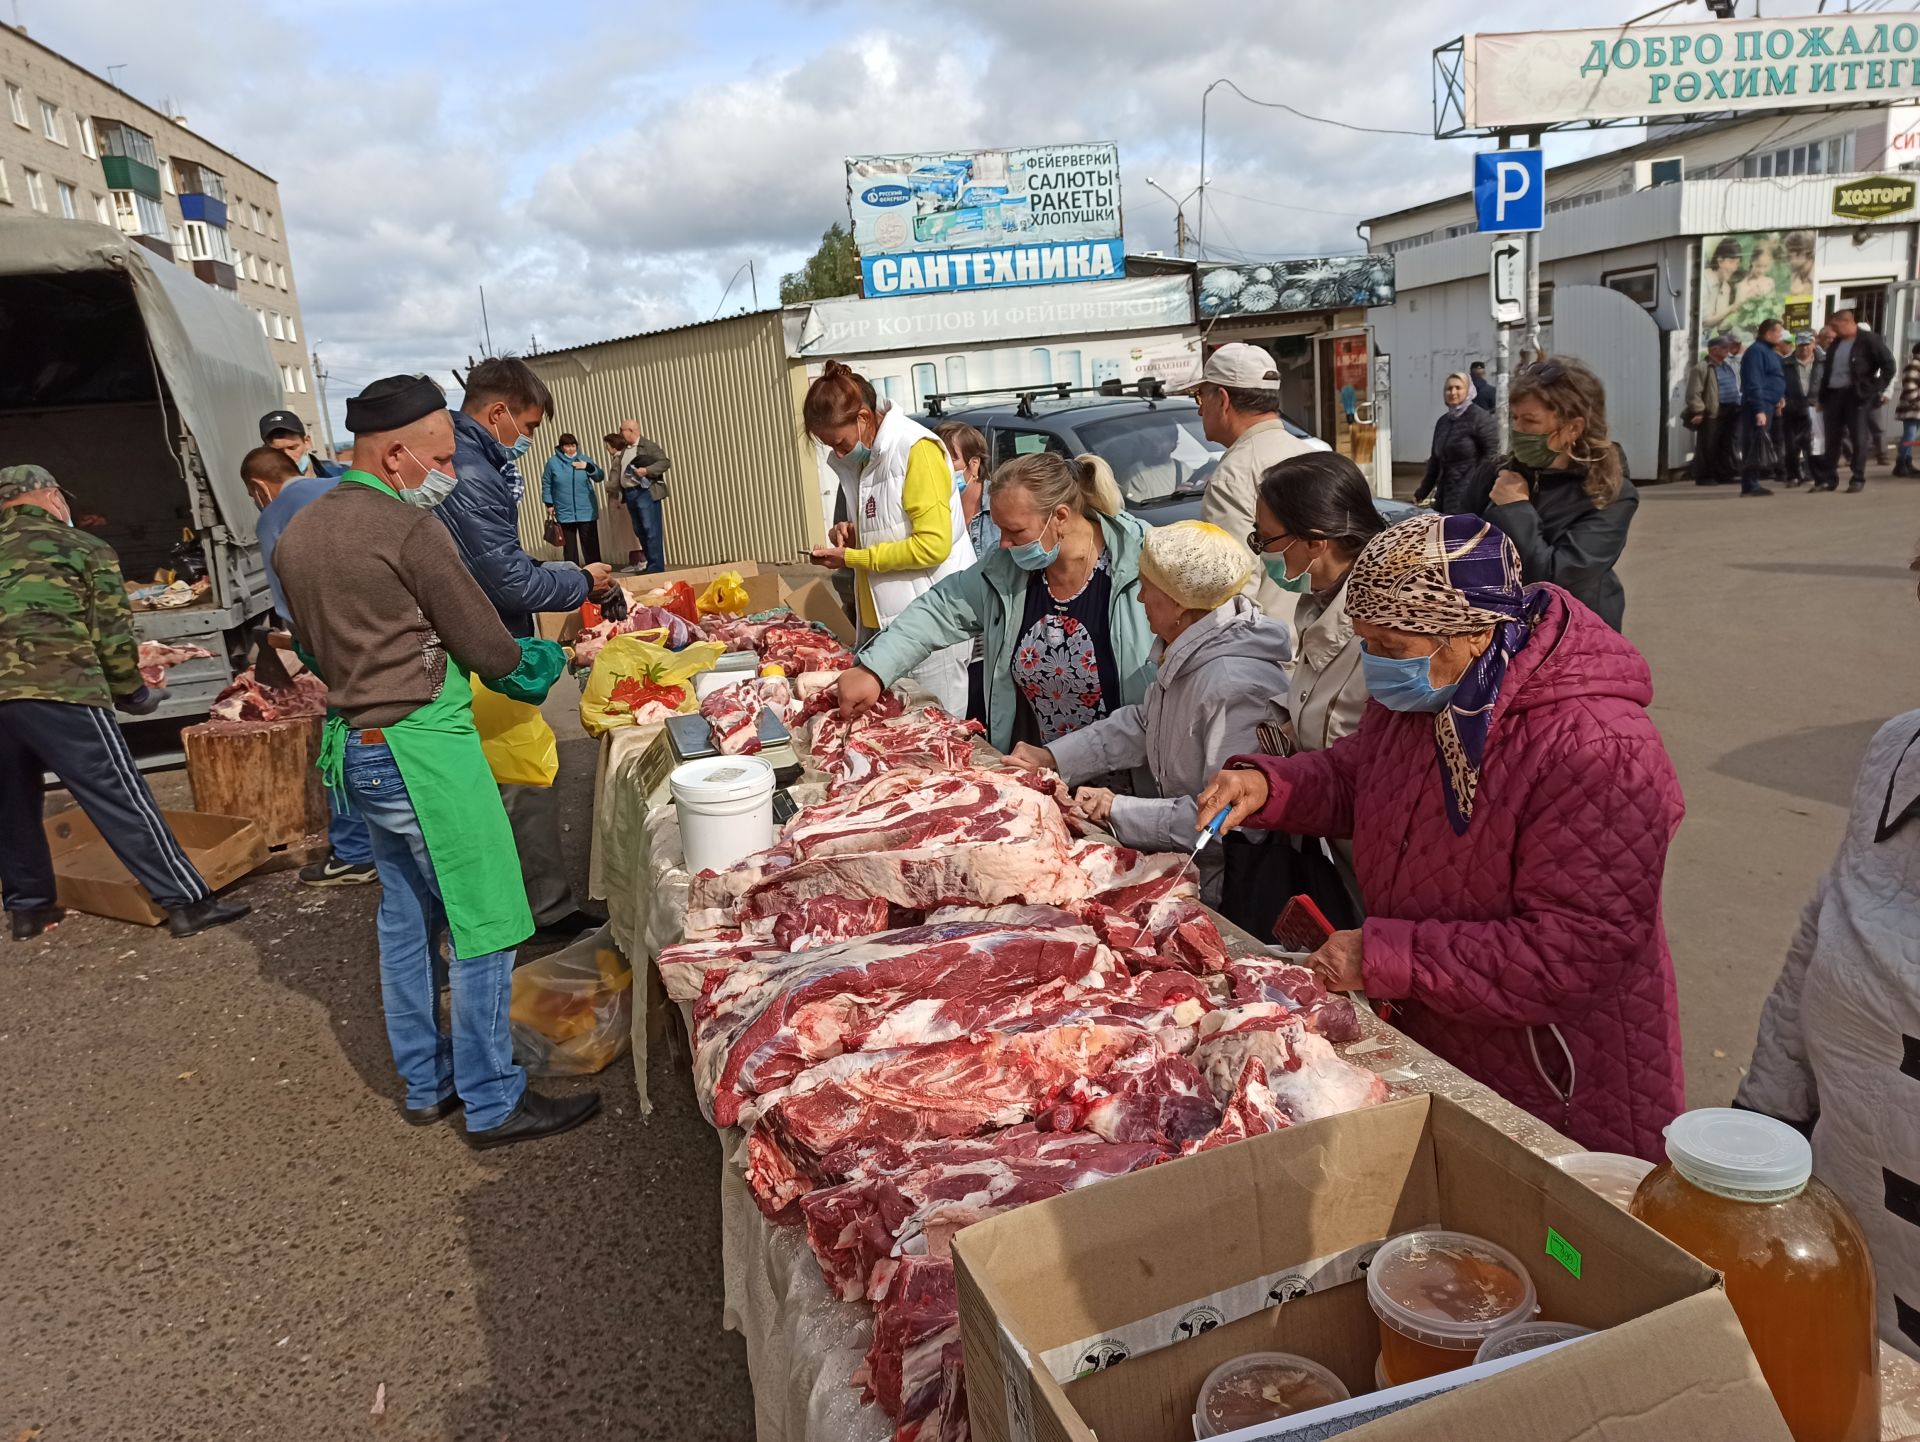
[
  {"x": 877, "y": 742},
  {"x": 732, "y": 714},
  {"x": 1296, "y": 988},
  {"x": 1251, "y": 1111},
  {"x": 248, "y": 699},
  {"x": 158, "y": 657},
  {"x": 1308, "y": 1078},
  {"x": 796, "y": 646}
]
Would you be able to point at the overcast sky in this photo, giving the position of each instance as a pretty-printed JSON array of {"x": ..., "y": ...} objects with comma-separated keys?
[{"x": 604, "y": 167}]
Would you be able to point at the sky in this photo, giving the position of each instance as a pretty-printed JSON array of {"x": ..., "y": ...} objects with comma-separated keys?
[{"x": 604, "y": 167}]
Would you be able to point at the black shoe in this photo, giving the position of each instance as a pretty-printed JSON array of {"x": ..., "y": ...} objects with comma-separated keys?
[
  {"x": 1755, "y": 491},
  {"x": 574, "y": 924},
  {"x": 335, "y": 872},
  {"x": 202, "y": 915},
  {"x": 1855, "y": 487},
  {"x": 29, "y": 924},
  {"x": 537, "y": 1116},
  {"x": 427, "y": 1116}
]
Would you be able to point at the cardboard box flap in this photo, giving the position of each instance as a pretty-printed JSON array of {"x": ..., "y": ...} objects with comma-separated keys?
[{"x": 1682, "y": 1372}]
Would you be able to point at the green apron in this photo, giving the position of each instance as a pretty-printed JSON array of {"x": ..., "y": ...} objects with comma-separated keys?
[{"x": 475, "y": 863}]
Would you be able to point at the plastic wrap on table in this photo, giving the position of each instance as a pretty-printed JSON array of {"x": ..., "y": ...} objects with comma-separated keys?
[{"x": 572, "y": 1011}]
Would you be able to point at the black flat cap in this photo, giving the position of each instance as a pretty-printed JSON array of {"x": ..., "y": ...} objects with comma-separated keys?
[{"x": 392, "y": 403}]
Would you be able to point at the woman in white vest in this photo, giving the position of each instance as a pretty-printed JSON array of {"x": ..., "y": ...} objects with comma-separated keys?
[{"x": 906, "y": 528}]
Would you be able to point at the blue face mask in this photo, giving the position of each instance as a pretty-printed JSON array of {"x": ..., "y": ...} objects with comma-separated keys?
[
  {"x": 1032, "y": 555},
  {"x": 1404, "y": 684},
  {"x": 859, "y": 455},
  {"x": 303, "y": 465},
  {"x": 433, "y": 490},
  {"x": 516, "y": 448},
  {"x": 959, "y": 479}
]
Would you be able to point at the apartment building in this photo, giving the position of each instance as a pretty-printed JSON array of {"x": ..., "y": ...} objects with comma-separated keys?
[{"x": 74, "y": 146}]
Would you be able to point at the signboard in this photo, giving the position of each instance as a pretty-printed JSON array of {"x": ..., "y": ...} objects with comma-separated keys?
[
  {"x": 1510, "y": 190},
  {"x": 859, "y": 327},
  {"x": 973, "y": 220},
  {"x": 1551, "y": 77},
  {"x": 1507, "y": 282},
  {"x": 1749, "y": 278},
  {"x": 1331, "y": 283},
  {"x": 1874, "y": 198}
]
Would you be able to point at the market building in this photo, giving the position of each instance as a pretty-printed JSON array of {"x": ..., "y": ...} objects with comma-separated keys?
[
  {"x": 73, "y": 146},
  {"x": 1648, "y": 249}
]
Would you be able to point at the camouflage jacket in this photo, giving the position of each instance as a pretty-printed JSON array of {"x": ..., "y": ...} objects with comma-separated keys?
[{"x": 66, "y": 632}]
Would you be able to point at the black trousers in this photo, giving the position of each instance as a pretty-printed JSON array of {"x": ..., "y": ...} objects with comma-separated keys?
[
  {"x": 1846, "y": 417},
  {"x": 580, "y": 541},
  {"x": 1796, "y": 444},
  {"x": 84, "y": 748}
]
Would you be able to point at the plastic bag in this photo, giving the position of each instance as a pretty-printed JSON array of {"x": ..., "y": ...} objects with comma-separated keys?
[
  {"x": 572, "y": 1012},
  {"x": 726, "y": 595},
  {"x": 648, "y": 668},
  {"x": 519, "y": 745},
  {"x": 678, "y": 598}
]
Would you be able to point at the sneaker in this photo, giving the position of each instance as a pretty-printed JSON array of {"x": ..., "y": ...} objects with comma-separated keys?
[{"x": 335, "y": 872}]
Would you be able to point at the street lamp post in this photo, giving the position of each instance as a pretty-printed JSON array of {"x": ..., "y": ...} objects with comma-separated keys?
[
  {"x": 1201, "y": 237},
  {"x": 1179, "y": 214}
]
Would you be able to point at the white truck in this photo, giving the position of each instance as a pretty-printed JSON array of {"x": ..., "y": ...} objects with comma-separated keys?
[{"x": 140, "y": 387}]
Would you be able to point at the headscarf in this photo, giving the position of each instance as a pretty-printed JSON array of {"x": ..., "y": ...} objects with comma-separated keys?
[
  {"x": 1466, "y": 380},
  {"x": 1438, "y": 575}
]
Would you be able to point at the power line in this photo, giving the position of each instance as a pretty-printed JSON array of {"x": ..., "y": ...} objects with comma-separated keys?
[{"x": 1318, "y": 119}]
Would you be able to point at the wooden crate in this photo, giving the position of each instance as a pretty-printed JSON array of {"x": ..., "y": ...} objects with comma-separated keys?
[{"x": 262, "y": 770}]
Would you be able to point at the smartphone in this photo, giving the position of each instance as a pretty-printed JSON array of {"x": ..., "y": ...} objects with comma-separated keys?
[{"x": 1301, "y": 926}]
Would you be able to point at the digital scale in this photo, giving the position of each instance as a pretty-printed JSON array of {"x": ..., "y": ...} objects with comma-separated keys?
[{"x": 688, "y": 738}]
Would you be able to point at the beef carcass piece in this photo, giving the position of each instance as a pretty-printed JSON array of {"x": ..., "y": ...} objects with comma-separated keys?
[
  {"x": 795, "y": 646},
  {"x": 1309, "y": 1080},
  {"x": 823, "y": 920},
  {"x": 1150, "y": 1097},
  {"x": 1257, "y": 978},
  {"x": 246, "y": 699},
  {"x": 765, "y": 1022},
  {"x": 157, "y": 658},
  {"x": 684, "y": 969},
  {"x": 1147, "y": 908},
  {"x": 912, "y": 1327},
  {"x": 1253, "y": 1110},
  {"x": 949, "y": 1089},
  {"x": 928, "y": 738},
  {"x": 732, "y": 713}
]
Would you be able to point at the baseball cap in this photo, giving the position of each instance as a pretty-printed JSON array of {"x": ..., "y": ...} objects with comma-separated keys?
[
  {"x": 1719, "y": 340},
  {"x": 1803, "y": 337},
  {"x": 1238, "y": 366},
  {"x": 281, "y": 421},
  {"x": 24, "y": 480}
]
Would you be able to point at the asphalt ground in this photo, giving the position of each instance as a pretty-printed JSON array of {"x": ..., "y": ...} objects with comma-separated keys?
[{"x": 219, "y": 1227}]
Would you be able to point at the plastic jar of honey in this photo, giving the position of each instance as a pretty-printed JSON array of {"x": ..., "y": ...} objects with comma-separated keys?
[
  {"x": 1438, "y": 1296},
  {"x": 1262, "y": 1387},
  {"x": 1738, "y": 1192}
]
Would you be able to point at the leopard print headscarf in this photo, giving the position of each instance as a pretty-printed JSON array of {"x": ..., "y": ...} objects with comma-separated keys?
[{"x": 1436, "y": 575}]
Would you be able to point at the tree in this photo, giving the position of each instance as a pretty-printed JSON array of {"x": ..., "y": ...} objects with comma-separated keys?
[{"x": 832, "y": 270}]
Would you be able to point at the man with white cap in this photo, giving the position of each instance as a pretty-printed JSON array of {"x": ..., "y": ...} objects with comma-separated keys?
[
  {"x": 1220, "y": 662},
  {"x": 1239, "y": 396}
]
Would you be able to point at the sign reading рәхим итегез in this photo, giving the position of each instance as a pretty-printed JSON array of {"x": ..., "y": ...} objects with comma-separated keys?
[
  {"x": 1551, "y": 76},
  {"x": 974, "y": 220}
]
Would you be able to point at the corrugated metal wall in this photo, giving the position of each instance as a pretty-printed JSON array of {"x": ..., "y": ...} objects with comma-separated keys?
[{"x": 724, "y": 401}]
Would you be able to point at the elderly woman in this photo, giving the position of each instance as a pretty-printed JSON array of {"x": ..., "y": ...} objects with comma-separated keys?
[
  {"x": 1510, "y": 805},
  {"x": 1464, "y": 438},
  {"x": 1219, "y": 661}
]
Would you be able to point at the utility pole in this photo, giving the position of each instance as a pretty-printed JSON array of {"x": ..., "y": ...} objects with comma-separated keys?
[
  {"x": 486, "y": 331},
  {"x": 753, "y": 279},
  {"x": 1180, "y": 234},
  {"x": 320, "y": 389}
]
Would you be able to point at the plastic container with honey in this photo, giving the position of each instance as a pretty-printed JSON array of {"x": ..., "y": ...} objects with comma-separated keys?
[
  {"x": 1738, "y": 1192},
  {"x": 1614, "y": 1175},
  {"x": 1438, "y": 1296},
  {"x": 1527, "y": 1337},
  {"x": 1260, "y": 1387}
]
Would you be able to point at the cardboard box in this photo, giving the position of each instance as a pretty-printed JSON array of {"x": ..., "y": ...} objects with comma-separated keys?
[
  {"x": 91, "y": 879},
  {"x": 1099, "y": 1313},
  {"x": 813, "y": 599}
]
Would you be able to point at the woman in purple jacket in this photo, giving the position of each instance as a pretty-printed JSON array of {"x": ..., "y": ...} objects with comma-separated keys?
[{"x": 1510, "y": 806}]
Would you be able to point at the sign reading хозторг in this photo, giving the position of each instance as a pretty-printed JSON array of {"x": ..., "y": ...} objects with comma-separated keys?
[
  {"x": 1874, "y": 198},
  {"x": 1546, "y": 77}
]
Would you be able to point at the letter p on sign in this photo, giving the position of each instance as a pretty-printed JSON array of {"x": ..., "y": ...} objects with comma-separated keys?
[{"x": 1509, "y": 190}]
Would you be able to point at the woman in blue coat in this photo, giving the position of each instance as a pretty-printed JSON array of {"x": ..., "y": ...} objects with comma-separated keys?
[{"x": 569, "y": 489}]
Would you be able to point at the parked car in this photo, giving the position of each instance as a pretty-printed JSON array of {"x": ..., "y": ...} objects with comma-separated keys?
[{"x": 1158, "y": 451}]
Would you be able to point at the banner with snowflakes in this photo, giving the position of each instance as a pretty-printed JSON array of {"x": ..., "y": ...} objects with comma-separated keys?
[{"x": 1285, "y": 287}]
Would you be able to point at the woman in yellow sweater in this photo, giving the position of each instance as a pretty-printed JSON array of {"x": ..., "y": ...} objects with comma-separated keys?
[{"x": 907, "y": 529}]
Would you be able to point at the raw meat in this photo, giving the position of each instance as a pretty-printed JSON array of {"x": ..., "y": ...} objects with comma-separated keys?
[
  {"x": 765, "y": 1022},
  {"x": 248, "y": 700},
  {"x": 795, "y": 646},
  {"x": 676, "y": 632},
  {"x": 917, "y": 1321},
  {"x": 684, "y": 968},
  {"x": 823, "y": 920},
  {"x": 1309, "y": 1080},
  {"x": 1257, "y": 978},
  {"x": 1149, "y": 1097},
  {"x": 1253, "y": 1110},
  {"x": 948, "y": 1089},
  {"x": 157, "y": 658},
  {"x": 928, "y": 738},
  {"x": 1147, "y": 908},
  {"x": 733, "y": 715}
]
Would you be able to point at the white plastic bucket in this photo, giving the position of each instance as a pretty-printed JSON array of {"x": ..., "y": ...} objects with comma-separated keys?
[{"x": 725, "y": 805}]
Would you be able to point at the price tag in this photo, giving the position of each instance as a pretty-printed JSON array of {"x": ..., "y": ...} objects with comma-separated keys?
[{"x": 1563, "y": 1251}]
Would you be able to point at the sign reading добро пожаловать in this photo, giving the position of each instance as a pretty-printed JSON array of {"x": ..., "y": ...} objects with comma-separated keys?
[
  {"x": 1544, "y": 77},
  {"x": 969, "y": 220}
]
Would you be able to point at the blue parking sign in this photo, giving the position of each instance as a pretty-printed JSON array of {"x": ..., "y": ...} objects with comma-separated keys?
[{"x": 1510, "y": 190}]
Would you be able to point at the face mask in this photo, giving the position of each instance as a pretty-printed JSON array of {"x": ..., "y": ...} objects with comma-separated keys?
[
  {"x": 859, "y": 455},
  {"x": 516, "y": 448},
  {"x": 959, "y": 480},
  {"x": 433, "y": 490},
  {"x": 1404, "y": 684},
  {"x": 1033, "y": 556},
  {"x": 304, "y": 464},
  {"x": 1532, "y": 450},
  {"x": 1276, "y": 568}
]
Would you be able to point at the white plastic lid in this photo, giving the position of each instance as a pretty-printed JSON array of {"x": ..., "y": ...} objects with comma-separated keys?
[
  {"x": 721, "y": 778},
  {"x": 1527, "y": 1337},
  {"x": 1266, "y": 1386},
  {"x": 1614, "y": 1175},
  {"x": 1447, "y": 1289},
  {"x": 1739, "y": 1154}
]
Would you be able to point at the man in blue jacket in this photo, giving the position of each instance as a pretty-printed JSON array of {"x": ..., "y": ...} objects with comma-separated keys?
[
  {"x": 1763, "y": 394},
  {"x": 505, "y": 403}
]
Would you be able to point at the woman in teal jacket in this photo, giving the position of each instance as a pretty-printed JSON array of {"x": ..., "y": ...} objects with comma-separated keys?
[
  {"x": 1057, "y": 604},
  {"x": 569, "y": 489}
]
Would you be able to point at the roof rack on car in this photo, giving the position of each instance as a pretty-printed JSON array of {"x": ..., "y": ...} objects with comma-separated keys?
[{"x": 1147, "y": 388}]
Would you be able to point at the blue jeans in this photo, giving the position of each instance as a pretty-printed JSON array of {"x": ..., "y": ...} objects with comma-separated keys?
[
  {"x": 1909, "y": 430},
  {"x": 477, "y": 1060},
  {"x": 644, "y": 511},
  {"x": 347, "y": 834}
]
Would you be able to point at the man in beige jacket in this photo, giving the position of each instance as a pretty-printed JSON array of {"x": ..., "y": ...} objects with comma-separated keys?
[{"x": 1239, "y": 396}]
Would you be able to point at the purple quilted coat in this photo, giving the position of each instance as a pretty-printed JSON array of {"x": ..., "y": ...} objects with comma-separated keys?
[{"x": 1528, "y": 952}]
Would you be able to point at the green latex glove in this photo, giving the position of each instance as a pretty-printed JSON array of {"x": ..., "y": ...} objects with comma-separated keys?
[{"x": 541, "y": 663}]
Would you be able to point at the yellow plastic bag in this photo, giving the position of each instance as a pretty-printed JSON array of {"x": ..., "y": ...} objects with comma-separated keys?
[
  {"x": 726, "y": 595},
  {"x": 626, "y": 672},
  {"x": 519, "y": 745},
  {"x": 572, "y": 1012}
]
